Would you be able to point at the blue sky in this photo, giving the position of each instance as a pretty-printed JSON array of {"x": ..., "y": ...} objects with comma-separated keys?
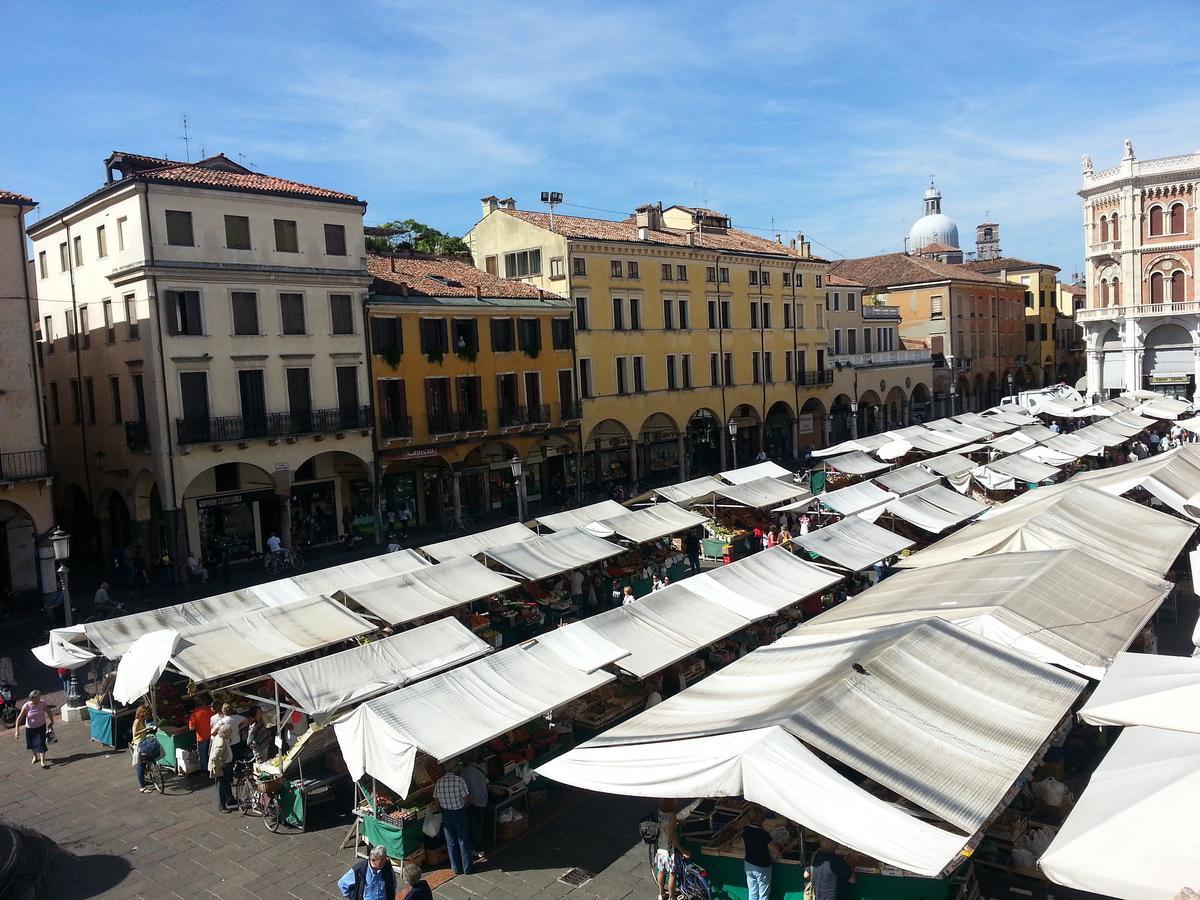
[{"x": 826, "y": 118}]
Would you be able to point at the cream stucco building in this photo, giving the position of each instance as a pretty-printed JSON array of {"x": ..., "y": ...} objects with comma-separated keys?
[
  {"x": 204, "y": 358},
  {"x": 26, "y": 509}
]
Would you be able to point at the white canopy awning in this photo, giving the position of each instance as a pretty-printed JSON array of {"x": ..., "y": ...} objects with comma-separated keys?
[
  {"x": 688, "y": 492},
  {"x": 114, "y": 636},
  {"x": 427, "y": 591},
  {"x": 1011, "y": 443},
  {"x": 761, "y": 493},
  {"x": 1064, "y": 607},
  {"x": 143, "y": 664},
  {"x": 1073, "y": 445},
  {"x": 583, "y": 515},
  {"x": 480, "y": 542},
  {"x": 935, "y": 509},
  {"x": 1054, "y": 406},
  {"x": 948, "y": 465},
  {"x": 1009, "y": 417},
  {"x": 770, "y": 767},
  {"x": 1164, "y": 408},
  {"x": 553, "y": 554},
  {"x": 940, "y": 716},
  {"x": 773, "y": 579},
  {"x": 215, "y": 651},
  {"x": 321, "y": 687},
  {"x": 907, "y": 480},
  {"x": 1023, "y": 469},
  {"x": 1047, "y": 456},
  {"x": 1133, "y": 832},
  {"x": 332, "y": 579},
  {"x": 1173, "y": 477},
  {"x": 754, "y": 472},
  {"x": 1102, "y": 437},
  {"x": 1147, "y": 689},
  {"x": 855, "y": 499},
  {"x": 852, "y": 543},
  {"x": 1039, "y": 433},
  {"x": 990, "y": 424},
  {"x": 857, "y": 463},
  {"x": 930, "y": 441},
  {"x": 866, "y": 444},
  {"x": 653, "y": 522},
  {"x": 456, "y": 711},
  {"x": 1067, "y": 516},
  {"x": 62, "y": 650}
]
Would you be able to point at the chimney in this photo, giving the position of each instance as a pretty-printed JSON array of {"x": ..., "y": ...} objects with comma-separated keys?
[
  {"x": 792, "y": 244},
  {"x": 392, "y": 260},
  {"x": 691, "y": 238},
  {"x": 478, "y": 292},
  {"x": 490, "y": 203},
  {"x": 649, "y": 216},
  {"x": 404, "y": 289},
  {"x": 643, "y": 233},
  {"x": 508, "y": 203}
]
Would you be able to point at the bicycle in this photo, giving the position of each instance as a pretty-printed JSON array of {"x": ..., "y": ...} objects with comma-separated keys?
[
  {"x": 461, "y": 524},
  {"x": 258, "y": 795},
  {"x": 691, "y": 880},
  {"x": 283, "y": 558},
  {"x": 152, "y": 771}
]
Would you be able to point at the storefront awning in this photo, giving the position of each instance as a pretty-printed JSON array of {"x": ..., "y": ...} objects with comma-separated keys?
[
  {"x": 766, "y": 469},
  {"x": 852, "y": 543},
  {"x": 334, "y": 578},
  {"x": 216, "y": 651},
  {"x": 858, "y": 499},
  {"x": 583, "y": 516},
  {"x": 653, "y": 522},
  {"x": 1132, "y": 834},
  {"x": 425, "y": 592},
  {"x": 553, "y": 554},
  {"x": 688, "y": 492},
  {"x": 1068, "y": 516},
  {"x": 323, "y": 686},
  {"x": 761, "y": 493},
  {"x": 456, "y": 711},
  {"x": 948, "y": 465},
  {"x": 1063, "y": 607},
  {"x": 935, "y": 509},
  {"x": 907, "y": 480},
  {"x": 1147, "y": 689},
  {"x": 857, "y": 463},
  {"x": 481, "y": 542}
]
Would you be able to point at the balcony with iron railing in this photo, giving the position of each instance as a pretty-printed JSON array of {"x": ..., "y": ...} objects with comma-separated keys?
[
  {"x": 137, "y": 436},
  {"x": 816, "y": 377},
  {"x": 1113, "y": 313},
  {"x": 523, "y": 416},
  {"x": 397, "y": 427},
  {"x": 457, "y": 422},
  {"x": 24, "y": 465},
  {"x": 571, "y": 411},
  {"x": 222, "y": 429},
  {"x": 882, "y": 358}
]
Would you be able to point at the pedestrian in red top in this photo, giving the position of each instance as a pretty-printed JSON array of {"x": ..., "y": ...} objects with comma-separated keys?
[{"x": 200, "y": 721}]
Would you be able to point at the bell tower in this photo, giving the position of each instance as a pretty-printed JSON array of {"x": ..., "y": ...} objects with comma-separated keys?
[{"x": 987, "y": 241}]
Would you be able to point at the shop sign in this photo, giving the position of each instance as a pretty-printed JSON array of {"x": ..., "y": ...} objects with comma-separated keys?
[
  {"x": 1169, "y": 379},
  {"x": 281, "y": 467},
  {"x": 422, "y": 453},
  {"x": 223, "y": 500},
  {"x": 804, "y": 423}
]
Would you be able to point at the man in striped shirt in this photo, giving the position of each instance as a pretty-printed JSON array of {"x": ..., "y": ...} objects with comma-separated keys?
[{"x": 452, "y": 795}]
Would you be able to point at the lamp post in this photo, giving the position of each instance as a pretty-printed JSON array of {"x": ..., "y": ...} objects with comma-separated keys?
[
  {"x": 518, "y": 471},
  {"x": 733, "y": 441},
  {"x": 61, "y": 542},
  {"x": 1010, "y": 385},
  {"x": 853, "y": 419},
  {"x": 953, "y": 386}
]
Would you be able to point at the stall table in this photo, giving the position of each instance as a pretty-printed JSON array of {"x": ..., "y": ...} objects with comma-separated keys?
[
  {"x": 112, "y": 728},
  {"x": 172, "y": 739}
]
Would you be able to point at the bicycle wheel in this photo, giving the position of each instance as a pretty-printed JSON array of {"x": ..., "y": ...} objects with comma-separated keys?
[
  {"x": 295, "y": 560},
  {"x": 154, "y": 774},
  {"x": 694, "y": 886},
  {"x": 274, "y": 564},
  {"x": 243, "y": 796},
  {"x": 272, "y": 813}
]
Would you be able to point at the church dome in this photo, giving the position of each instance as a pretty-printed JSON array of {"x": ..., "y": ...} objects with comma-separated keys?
[{"x": 933, "y": 227}]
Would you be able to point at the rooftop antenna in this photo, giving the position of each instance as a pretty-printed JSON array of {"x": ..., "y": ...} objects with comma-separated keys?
[
  {"x": 552, "y": 199},
  {"x": 187, "y": 149},
  {"x": 245, "y": 162}
]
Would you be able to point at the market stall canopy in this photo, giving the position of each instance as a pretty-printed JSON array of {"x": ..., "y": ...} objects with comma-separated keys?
[
  {"x": 774, "y": 579},
  {"x": 579, "y": 648},
  {"x": 944, "y": 718},
  {"x": 663, "y": 627},
  {"x": 1173, "y": 477},
  {"x": 1054, "y": 406},
  {"x": 688, "y": 492},
  {"x": 1017, "y": 417},
  {"x": 1102, "y": 437},
  {"x": 928, "y": 441},
  {"x": 480, "y": 542},
  {"x": 852, "y": 543},
  {"x": 332, "y": 579},
  {"x": 894, "y": 449},
  {"x": 1164, "y": 408},
  {"x": 761, "y": 493},
  {"x": 962, "y": 434},
  {"x": 769, "y": 767},
  {"x": 756, "y": 471},
  {"x": 865, "y": 444},
  {"x": 456, "y": 711},
  {"x": 1073, "y": 445},
  {"x": 1011, "y": 443},
  {"x": 1038, "y": 433},
  {"x": 323, "y": 686},
  {"x": 990, "y": 424},
  {"x": 1147, "y": 689},
  {"x": 113, "y": 637},
  {"x": 583, "y": 516},
  {"x": 1064, "y": 607},
  {"x": 935, "y": 508},
  {"x": 907, "y": 480},
  {"x": 858, "y": 499},
  {"x": 1023, "y": 469},
  {"x": 62, "y": 650},
  {"x": 1119, "y": 531},
  {"x": 553, "y": 554},
  {"x": 1127, "y": 423},
  {"x": 143, "y": 664},
  {"x": 1047, "y": 456},
  {"x": 220, "y": 649},
  {"x": 857, "y": 463},
  {"x": 948, "y": 465},
  {"x": 1133, "y": 832},
  {"x": 653, "y": 522},
  {"x": 425, "y": 592},
  {"x": 805, "y": 502}
]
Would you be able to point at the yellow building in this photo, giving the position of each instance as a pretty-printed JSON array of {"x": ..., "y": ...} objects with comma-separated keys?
[
  {"x": 469, "y": 371},
  {"x": 698, "y": 345}
]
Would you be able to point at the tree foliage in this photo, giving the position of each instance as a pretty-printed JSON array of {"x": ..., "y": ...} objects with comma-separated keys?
[{"x": 416, "y": 237}]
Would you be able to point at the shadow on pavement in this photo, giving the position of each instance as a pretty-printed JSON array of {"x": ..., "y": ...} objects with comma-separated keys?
[{"x": 74, "y": 877}]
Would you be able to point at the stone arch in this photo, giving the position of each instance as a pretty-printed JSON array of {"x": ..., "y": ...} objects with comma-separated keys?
[
  {"x": 893, "y": 405},
  {"x": 328, "y": 495},
  {"x": 143, "y": 484},
  {"x": 18, "y": 549},
  {"x": 117, "y": 529},
  {"x": 75, "y": 516},
  {"x": 870, "y": 413},
  {"x": 748, "y": 440},
  {"x": 964, "y": 403},
  {"x": 608, "y": 456},
  {"x": 231, "y": 509},
  {"x": 978, "y": 387},
  {"x": 992, "y": 395},
  {"x": 811, "y": 423},
  {"x": 779, "y": 439},
  {"x": 658, "y": 450},
  {"x": 919, "y": 402},
  {"x": 839, "y": 419},
  {"x": 484, "y": 479},
  {"x": 703, "y": 442}
]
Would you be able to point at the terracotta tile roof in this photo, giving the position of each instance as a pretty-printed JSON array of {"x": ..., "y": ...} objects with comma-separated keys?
[
  {"x": 899, "y": 269},
  {"x": 13, "y": 197},
  {"x": 1077, "y": 290},
  {"x": 991, "y": 266},
  {"x": 433, "y": 277},
  {"x": 837, "y": 281},
  {"x": 939, "y": 248},
  {"x": 211, "y": 173},
  {"x": 730, "y": 240}
]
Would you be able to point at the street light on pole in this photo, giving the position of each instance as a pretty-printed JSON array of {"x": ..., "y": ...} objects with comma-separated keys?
[
  {"x": 733, "y": 441},
  {"x": 518, "y": 472},
  {"x": 953, "y": 386},
  {"x": 61, "y": 542}
]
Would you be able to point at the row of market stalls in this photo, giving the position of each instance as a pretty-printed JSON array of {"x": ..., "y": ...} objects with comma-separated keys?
[{"x": 911, "y": 722}]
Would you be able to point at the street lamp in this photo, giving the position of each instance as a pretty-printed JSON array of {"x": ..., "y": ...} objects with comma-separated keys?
[
  {"x": 953, "y": 386},
  {"x": 733, "y": 441},
  {"x": 854, "y": 418},
  {"x": 1010, "y": 385},
  {"x": 61, "y": 542},
  {"x": 518, "y": 471}
]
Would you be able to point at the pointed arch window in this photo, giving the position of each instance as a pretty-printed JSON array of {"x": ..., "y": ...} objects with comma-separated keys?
[
  {"x": 1104, "y": 296},
  {"x": 1113, "y": 231}
]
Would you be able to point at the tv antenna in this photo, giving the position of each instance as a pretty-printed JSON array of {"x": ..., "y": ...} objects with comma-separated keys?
[{"x": 187, "y": 149}]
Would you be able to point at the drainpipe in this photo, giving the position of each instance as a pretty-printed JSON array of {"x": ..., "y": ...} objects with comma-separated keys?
[
  {"x": 372, "y": 387},
  {"x": 78, "y": 398},
  {"x": 795, "y": 368},
  {"x": 762, "y": 364},
  {"x": 721, "y": 357}
]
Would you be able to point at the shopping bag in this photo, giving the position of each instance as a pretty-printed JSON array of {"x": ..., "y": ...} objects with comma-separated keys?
[{"x": 433, "y": 824}]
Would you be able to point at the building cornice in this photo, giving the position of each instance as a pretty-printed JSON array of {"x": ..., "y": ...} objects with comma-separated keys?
[{"x": 244, "y": 272}]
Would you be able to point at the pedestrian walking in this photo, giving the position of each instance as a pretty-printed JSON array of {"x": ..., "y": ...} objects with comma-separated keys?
[
  {"x": 220, "y": 766},
  {"x": 761, "y": 853},
  {"x": 200, "y": 722},
  {"x": 372, "y": 878},
  {"x": 691, "y": 546},
  {"x": 828, "y": 872},
  {"x": 475, "y": 775},
  {"x": 38, "y": 718},
  {"x": 452, "y": 795}
]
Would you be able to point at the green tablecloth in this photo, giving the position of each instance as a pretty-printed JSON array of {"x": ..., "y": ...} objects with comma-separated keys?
[{"x": 398, "y": 842}]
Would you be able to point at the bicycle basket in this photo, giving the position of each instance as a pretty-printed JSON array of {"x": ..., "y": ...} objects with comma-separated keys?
[
  {"x": 272, "y": 784},
  {"x": 648, "y": 828}
]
